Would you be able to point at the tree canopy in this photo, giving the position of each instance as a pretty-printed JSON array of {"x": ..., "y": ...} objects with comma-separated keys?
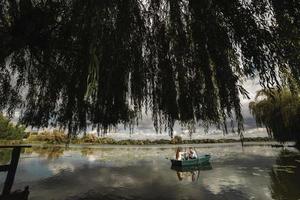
[{"x": 75, "y": 63}]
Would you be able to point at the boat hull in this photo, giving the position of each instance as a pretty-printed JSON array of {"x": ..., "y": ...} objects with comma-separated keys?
[
  {"x": 192, "y": 168},
  {"x": 191, "y": 162}
]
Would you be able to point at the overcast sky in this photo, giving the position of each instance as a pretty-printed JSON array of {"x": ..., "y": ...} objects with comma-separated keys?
[{"x": 145, "y": 129}]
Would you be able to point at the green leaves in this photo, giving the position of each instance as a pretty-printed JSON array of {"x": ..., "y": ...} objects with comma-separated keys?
[
  {"x": 9, "y": 131},
  {"x": 279, "y": 112},
  {"x": 101, "y": 63}
]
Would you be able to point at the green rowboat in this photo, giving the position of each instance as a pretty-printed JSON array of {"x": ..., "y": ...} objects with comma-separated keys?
[
  {"x": 191, "y": 162},
  {"x": 192, "y": 168}
]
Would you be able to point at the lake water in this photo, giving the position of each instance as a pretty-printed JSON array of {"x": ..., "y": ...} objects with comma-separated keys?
[{"x": 131, "y": 172}]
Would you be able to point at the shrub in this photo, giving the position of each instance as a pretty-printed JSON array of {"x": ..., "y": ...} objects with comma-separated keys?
[
  {"x": 176, "y": 140},
  {"x": 10, "y": 131},
  {"x": 55, "y": 136},
  {"x": 90, "y": 138},
  {"x": 106, "y": 141}
]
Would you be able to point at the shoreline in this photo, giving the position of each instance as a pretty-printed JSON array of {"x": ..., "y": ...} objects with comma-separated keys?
[{"x": 111, "y": 142}]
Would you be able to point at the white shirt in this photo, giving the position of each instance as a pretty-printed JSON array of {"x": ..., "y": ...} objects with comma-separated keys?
[{"x": 194, "y": 154}]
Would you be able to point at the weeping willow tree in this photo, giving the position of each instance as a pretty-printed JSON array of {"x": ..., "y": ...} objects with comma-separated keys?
[
  {"x": 279, "y": 112},
  {"x": 75, "y": 63},
  {"x": 287, "y": 17}
]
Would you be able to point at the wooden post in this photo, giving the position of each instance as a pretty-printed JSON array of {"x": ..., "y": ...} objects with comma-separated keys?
[
  {"x": 12, "y": 168},
  {"x": 15, "y": 155}
]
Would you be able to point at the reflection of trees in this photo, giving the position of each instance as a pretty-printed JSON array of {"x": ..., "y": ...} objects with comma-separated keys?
[
  {"x": 5, "y": 156},
  {"x": 49, "y": 152},
  {"x": 285, "y": 176},
  {"x": 190, "y": 173},
  {"x": 87, "y": 151}
]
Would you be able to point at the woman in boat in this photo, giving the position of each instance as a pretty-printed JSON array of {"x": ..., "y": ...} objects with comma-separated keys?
[{"x": 179, "y": 154}]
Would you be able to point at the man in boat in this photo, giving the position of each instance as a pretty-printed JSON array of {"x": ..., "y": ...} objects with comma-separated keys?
[{"x": 192, "y": 153}]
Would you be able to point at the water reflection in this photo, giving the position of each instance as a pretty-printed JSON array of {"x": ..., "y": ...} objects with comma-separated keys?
[
  {"x": 190, "y": 173},
  {"x": 285, "y": 176},
  {"x": 87, "y": 151},
  {"x": 50, "y": 153},
  {"x": 135, "y": 172},
  {"x": 4, "y": 156}
]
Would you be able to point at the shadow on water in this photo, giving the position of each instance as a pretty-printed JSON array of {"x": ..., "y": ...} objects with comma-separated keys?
[
  {"x": 285, "y": 176},
  {"x": 11, "y": 169}
]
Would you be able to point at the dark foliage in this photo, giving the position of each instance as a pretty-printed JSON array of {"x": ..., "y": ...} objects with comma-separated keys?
[
  {"x": 74, "y": 63},
  {"x": 279, "y": 112},
  {"x": 285, "y": 176}
]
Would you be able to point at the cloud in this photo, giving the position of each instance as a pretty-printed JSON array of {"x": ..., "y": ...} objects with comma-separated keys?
[
  {"x": 56, "y": 168},
  {"x": 145, "y": 128}
]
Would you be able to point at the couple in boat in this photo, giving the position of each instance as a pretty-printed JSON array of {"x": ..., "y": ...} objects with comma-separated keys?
[{"x": 185, "y": 155}]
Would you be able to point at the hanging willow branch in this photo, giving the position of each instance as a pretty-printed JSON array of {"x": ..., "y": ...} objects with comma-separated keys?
[
  {"x": 279, "y": 112},
  {"x": 79, "y": 63}
]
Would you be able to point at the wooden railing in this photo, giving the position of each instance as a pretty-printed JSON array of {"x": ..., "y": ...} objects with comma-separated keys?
[{"x": 11, "y": 169}]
